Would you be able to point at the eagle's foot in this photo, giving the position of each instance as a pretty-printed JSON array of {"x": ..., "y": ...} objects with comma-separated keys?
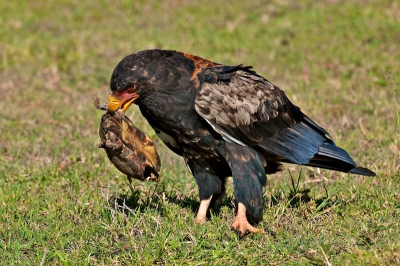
[
  {"x": 202, "y": 213},
  {"x": 241, "y": 226}
]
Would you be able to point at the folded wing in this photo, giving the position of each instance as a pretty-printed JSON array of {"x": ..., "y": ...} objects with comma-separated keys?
[{"x": 246, "y": 109}]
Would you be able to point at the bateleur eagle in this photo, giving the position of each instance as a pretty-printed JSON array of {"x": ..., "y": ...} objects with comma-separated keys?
[{"x": 225, "y": 121}]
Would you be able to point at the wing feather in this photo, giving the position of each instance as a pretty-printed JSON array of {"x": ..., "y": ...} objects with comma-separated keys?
[
  {"x": 251, "y": 111},
  {"x": 246, "y": 109}
]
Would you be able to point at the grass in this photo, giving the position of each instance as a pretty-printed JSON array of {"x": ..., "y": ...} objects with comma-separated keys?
[{"x": 63, "y": 203}]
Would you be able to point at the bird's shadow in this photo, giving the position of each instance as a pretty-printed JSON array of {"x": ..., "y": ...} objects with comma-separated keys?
[
  {"x": 156, "y": 199},
  {"x": 294, "y": 197}
]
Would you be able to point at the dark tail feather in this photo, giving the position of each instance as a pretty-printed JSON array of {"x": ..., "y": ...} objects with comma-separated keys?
[
  {"x": 331, "y": 157},
  {"x": 362, "y": 171}
]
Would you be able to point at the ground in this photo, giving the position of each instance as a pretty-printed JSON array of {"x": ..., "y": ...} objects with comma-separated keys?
[{"x": 62, "y": 201}]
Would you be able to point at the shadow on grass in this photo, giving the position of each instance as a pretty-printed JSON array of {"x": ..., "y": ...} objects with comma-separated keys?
[
  {"x": 295, "y": 199},
  {"x": 294, "y": 196},
  {"x": 156, "y": 199}
]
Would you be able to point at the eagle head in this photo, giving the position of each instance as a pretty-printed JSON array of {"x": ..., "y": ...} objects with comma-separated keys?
[{"x": 132, "y": 79}]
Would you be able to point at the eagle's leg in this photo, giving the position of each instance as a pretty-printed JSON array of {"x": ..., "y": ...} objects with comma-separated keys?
[
  {"x": 210, "y": 185},
  {"x": 202, "y": 212},
  {"x": 248, "y": 178},
  {"x": 241, "y": 225}
]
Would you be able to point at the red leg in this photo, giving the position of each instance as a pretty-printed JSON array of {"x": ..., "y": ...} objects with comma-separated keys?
[
  {"x": 241, "y": 225},
  {"x": 201, "y": 214}
]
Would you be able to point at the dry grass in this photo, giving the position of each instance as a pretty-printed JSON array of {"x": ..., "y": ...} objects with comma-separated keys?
[{"x": 62, "y": 202}]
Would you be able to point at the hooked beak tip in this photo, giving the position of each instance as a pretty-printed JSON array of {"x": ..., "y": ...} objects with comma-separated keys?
[{"x": 113, "y": 103}]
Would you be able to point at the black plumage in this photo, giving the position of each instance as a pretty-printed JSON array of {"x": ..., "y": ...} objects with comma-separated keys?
[{"x": 225, "y": 121}]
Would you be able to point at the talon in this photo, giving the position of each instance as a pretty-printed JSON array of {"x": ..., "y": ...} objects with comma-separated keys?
[{"x": 241, "y": 226}]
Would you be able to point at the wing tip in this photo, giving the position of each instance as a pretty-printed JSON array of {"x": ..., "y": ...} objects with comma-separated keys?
[{"x": 362, "y": 171}]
